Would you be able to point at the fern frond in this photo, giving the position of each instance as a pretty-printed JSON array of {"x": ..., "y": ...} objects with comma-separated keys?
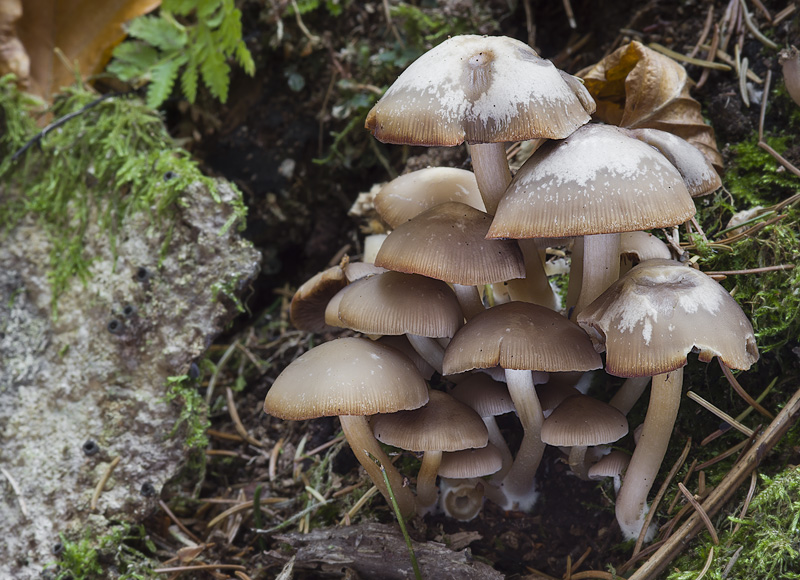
[{"x": 162, "y": 78}]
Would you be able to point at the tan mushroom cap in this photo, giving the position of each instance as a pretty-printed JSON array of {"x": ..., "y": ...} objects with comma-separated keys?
[
  {"x": 479, "y": 89},
  {"x": 397, "y": 303},
  {"x": 469, "y": 463},
  {"x": 656, "y": 314},
  {"x": 347, "y": 376},
  {"x": 443, "y": 424},
  {"x": 697, "y": 171},
  {"x": 581, "y": 420},
  {"x": 522, "y": 336},
  {"x": 641, "y": 246},
  {"x": 611, "y": 465},
  {"x": 447, "y": 242},
  {"x": 409, "y": 195},
  {"x": 597, "y": 181},
  {"x": 307, "y": 309},
  {"x": 487, "y": 396}
]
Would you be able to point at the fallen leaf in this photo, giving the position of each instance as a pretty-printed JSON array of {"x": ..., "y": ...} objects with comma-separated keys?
[
  {"x": 85, "y": 31},
  {"x": 13, "y": 58},
  {"x": 637, "y": 87}
]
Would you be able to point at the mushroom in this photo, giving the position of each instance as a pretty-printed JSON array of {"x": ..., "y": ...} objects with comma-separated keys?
[
  {"x": 483, "y": 90},
  {"x": 596, "y": 183},
  {"x": 447, "y": 242},
  {"x": 443, "y": 424},
  {"x": 581, "y": 421},
  {"x": 521, "y": 337},
  {"x": 647, "y": 322},
  {"x": 352, "y": 378},
  {"x": 461, "y": 493}
]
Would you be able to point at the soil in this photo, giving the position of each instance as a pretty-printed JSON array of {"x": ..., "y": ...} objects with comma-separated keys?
[{"x": 266, "y": 139}]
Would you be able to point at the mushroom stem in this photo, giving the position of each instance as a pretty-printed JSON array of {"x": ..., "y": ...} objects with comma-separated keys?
[
  {"x": 470, "y": 300},
  {"x": 518, "y": 483},
  {"x": 430, "y": 350},
  {"x": 490, "y": 165},
  {"x": 359, "y": 435},
  {"x": 600, "y": 268},
  {"x": 534, "y": 287},
  {"x": 665, "y": 399},
  {"x": 427, "y": 492},
  {"x": 629, "y": 393},
  {"x": 496, "y": 438},
  {"x": 577, "y": 461}
]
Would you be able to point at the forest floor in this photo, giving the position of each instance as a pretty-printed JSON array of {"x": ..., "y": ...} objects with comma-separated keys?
[{"x": 292, "y": 140}]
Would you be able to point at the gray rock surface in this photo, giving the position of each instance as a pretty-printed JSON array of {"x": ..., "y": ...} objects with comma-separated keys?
[{"x": 99, "y": 371}]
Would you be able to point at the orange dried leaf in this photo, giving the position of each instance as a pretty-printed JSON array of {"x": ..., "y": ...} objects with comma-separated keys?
[
  {"x": 637, "y": 87},
  {"x": 85, "y": 31}
]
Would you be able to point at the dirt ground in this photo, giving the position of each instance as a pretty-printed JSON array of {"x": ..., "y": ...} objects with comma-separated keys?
[{"x": 266, "y": 140}]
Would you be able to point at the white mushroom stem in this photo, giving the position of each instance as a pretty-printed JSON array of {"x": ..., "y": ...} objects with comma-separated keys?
[
  {"x": 629, "y": 393},
  {"x": 665, "y": 399},
  {"x": 359, "y": 435},
  {"x": 518, "y": 483},
  {"x": 577, "y": 461},
  {"x": 429, "y": 349},
  {"x": 469, "y": 298},
  {"x": 600, "y": 268},
  {"x": 534, "y": 287},
  {"x": 427, "y": 492},
  {"x": 490, "y": 165},
  {"x": 496, "y": 438}
]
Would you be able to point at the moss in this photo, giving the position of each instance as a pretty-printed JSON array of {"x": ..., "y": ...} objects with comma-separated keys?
[
  {"x": 761, "y": 545},
  {"x": 125, "y": 547},
  {"x": 193, "y": 420},
  {"x": 112, "y": 159}
]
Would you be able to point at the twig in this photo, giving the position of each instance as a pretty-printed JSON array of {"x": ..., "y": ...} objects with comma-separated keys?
[
  {"x": 687, "y": 59},
  {"x": 740, "y": 390},
  {"x": 699, "y": 510},
  {"x": 706, "y": 29},
  {"x": 745, "y": 506},
  {"x": 732, "y": 561},
  {"x": 273, "y": 458},
  {"x": 311, "y": 37},
  {"x": 707, "y": 567},
  {"x": 237, "y": 422},
  {"x": 240, "y": 507},
  {"x": 712, "y": 53},
  {"x": 23, "y": 508},
  {"x": 102, "y": 483},
  {"x": 777, "y": 268},
  {"x": 600, "y": 574},
  {"x": 719, "y": 413},
  {"x": 57, "y": 123},
  {"x": 727, "y": 59},
  {"x": 213, "y": 380},
  {"x": 322, "y": 447},
  {"x": 722, "y": 493},
  {"x": 570, "y": 14},
  {"x": 200, "y": 567},
  {"x": 294, "y": 518},
  {"x": 748, "y": 21},
  {"x": 788, "y": 11},
  {"x": 358, "y": 505},
  {"x": 178, "y": 523}
]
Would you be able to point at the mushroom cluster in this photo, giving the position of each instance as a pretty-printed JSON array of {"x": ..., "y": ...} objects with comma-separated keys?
[{"x": 458, "y": 291}]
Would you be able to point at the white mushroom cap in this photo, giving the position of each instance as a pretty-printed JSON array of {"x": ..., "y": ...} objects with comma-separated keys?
[
  {"x": 656, "y": 314},
  {"x": 479, "y": 89},
  {"x": 409, "y": 195},
  {"x": 597, "y": 181}
]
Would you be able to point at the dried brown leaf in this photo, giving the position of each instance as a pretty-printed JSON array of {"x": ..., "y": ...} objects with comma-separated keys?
[
  {"x": 13, "y": 58},
  {"x": 85, "y": 31},
  {"x": 637, "y": 87}
]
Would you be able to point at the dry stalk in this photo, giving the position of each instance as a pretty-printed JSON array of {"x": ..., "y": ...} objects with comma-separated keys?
[{"x": 102, "y": 483}]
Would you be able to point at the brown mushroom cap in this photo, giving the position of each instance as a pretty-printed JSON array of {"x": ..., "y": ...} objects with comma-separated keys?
[
  {"x": 347, "y": 376},
  {"x": 656, "y": 314},
  {"x": 581, "y": 420},
  {"x": 443, "y": 424},
  {"x": 479, "y": 89},
  {"x": 596, "y": 181},
  {"x": 520, "y": 335},
  {"x": 397, "y": 303},
  {"x": 307, "y": 309},
  {"x": 409, "y": 195},
  {"x": 447, "y": 242},
  {"x": 487, "y": 396},
  {"x": 471, "y": 462}
]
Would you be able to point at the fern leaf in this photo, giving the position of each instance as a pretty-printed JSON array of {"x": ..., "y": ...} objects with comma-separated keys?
[
  {"x": 245, "y": 59},
  {"x": 216, "y": 75},
  {"x": 132, "y": 60},
  {"x": 179, "y": 7},
  {"x": 189, "y": 82},
  {"x": 208, "y": 9},
  {"x": 162, "y": 33},
  {"x": 162, "y": 77}
]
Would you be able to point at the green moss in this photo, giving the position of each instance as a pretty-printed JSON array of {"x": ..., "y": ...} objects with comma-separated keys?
[
  {"x": 192, "y": 422},
  {"x": 113, "y": 159},
  {"x": 767, "y": 537},
  {"x": 125, "y": 547}
]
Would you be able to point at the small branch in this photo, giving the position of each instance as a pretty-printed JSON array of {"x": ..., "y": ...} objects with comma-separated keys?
[
  {"x": 701, "y": 512},
  {"x": 102, "y": 483},
  {"x": 17, "y": 492},
  {"x": 740, "y": 390}
]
